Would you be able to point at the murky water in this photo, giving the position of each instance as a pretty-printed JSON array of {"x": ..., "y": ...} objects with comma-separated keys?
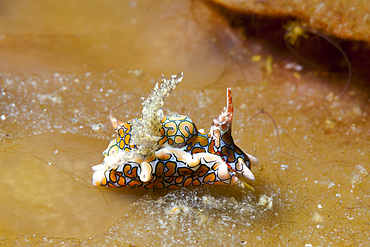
[{"x": 64, "y": 65}]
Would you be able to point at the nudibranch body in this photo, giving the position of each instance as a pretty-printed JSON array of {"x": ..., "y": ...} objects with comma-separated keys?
[{"x": 175, "y": 154}]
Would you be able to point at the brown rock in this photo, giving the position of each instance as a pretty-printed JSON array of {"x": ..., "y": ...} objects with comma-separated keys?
[{"x": 346, "y": 20}]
